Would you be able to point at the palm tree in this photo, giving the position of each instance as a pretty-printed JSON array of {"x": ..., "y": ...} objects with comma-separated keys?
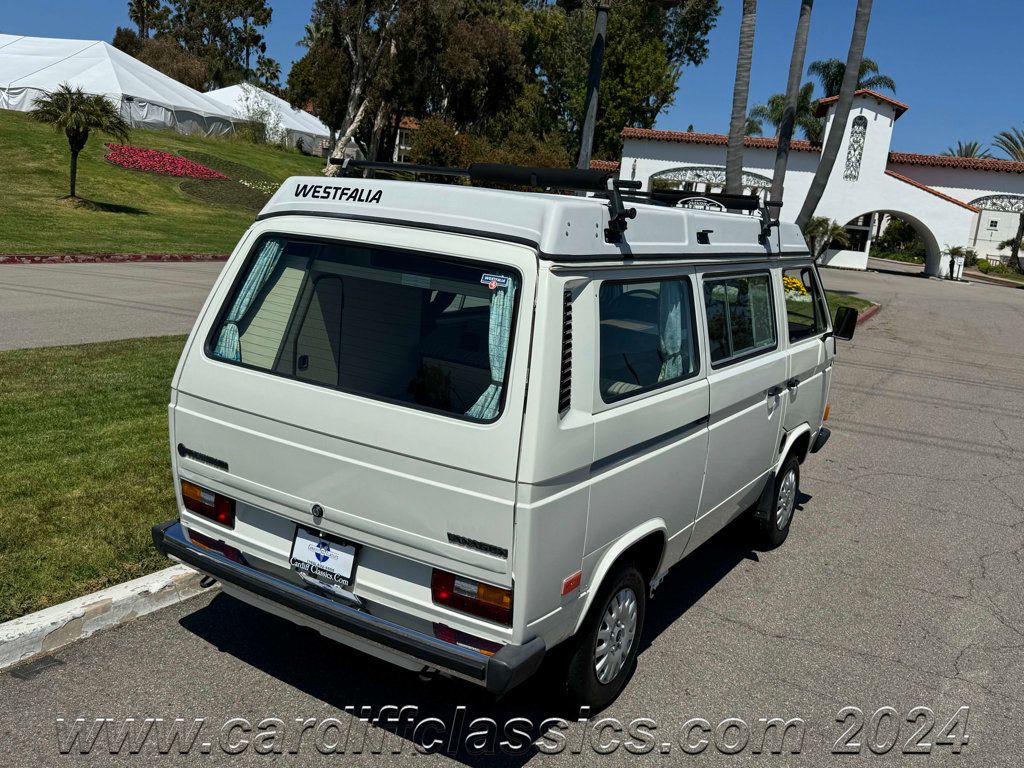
[
  {"x": 968, "y": 149},
  {"x": 741, "y": 89},
  {"x": 858, "y": 39},
  {"x": 822, "y": 232},
  {"x": 268, "y": 71},
  {"x": 1012, "y": 143},
  {"x": 794, "y": 98},
  {"x": 773, "y": 111},
  {"x": 144, "y": 13},
  {"x": 830, "y": 74},
  {"x": 77, "y": 113}
]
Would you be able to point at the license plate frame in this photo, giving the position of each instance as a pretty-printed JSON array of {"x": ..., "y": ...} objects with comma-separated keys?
[{"x": 323, "y": 557}]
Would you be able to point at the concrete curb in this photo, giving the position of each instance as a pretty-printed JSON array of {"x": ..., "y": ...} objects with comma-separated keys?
[
  {"x": 106, "y": 258},
  {"x": 868, "y": 313},
  {"x": 52, "y": 628}
]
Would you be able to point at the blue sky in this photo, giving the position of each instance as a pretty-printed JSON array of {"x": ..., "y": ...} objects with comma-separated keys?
[{"x": 954, "y": 63}]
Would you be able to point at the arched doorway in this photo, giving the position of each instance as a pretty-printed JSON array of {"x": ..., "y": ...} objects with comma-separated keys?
[{"x": 890, "y": 234}]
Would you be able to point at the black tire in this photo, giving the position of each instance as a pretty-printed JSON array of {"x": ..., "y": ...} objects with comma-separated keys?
[
  {"x": 774, "y": 529},
  {"x": 585, "y": 685}
]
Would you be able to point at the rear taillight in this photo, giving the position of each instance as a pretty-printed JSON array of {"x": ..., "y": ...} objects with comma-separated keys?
[
  {"x": 454, "y": 636},
  {"x": 210, "y": 505},
  {"x": 477, "y": 598},
  {"x": 217, "y": 546}
]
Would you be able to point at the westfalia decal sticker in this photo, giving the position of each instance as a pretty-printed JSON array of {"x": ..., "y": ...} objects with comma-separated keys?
[{"x": 348, "y": 194}]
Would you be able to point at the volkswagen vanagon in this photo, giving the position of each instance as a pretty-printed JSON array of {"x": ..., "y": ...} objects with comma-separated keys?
[{"x": 460, "y": 428}]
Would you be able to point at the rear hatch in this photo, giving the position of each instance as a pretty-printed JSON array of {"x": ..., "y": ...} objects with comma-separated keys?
[{"x": 378, "y": 372}]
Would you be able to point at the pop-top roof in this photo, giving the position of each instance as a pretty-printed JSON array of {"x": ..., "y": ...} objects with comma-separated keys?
[{"x": 561, "y": 227}]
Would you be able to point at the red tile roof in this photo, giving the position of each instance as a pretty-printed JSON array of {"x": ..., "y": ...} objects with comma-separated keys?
[
  {"x": 719, "y": 139},
  {"x": 964, "y": 163},
  {"x": 898, "y": 105},
  {"x": 410, "y": 123},
  {"x": 931, "y": 191},
  {"x": 605, "y": 165}
]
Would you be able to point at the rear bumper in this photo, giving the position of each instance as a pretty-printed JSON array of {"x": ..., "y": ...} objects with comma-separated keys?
[{"x": 508, "y": 667}]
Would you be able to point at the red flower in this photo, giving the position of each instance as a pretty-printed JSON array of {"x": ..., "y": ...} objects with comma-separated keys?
[{"x": 155, "y": 161}]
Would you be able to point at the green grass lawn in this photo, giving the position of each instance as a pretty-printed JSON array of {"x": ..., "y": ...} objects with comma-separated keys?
[
  {"x": 837, "y": 300},
  {"x": 86, "y": 468},
  {"x": 133, "y": 211}
]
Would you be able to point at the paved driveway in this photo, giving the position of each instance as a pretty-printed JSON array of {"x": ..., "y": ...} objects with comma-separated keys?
[
  {"x": 900, "y": 586},
  {"x": 53, "y": 304}
]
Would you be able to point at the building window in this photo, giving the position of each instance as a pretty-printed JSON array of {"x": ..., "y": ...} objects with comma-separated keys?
[
  {"x": 856, "y": 149},
  {"x": 993, "y": 224}
]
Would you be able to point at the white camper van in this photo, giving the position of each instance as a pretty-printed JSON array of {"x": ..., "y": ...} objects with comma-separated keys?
[{"x": 456, "y": 427}]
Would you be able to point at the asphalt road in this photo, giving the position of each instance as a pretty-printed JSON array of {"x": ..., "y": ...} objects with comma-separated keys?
[
  {"x": 900, "y": 586},
  {"x": 44, "y": 305}
]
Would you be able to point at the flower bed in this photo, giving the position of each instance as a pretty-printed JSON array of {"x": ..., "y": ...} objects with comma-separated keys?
[{"x": 155, "y": 161}]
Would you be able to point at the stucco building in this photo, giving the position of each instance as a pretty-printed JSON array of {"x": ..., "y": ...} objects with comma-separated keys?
[{"x": 950, "y": 201}]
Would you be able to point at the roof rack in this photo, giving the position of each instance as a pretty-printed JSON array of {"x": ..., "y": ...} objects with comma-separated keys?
[{"x": 600, "y": 183}]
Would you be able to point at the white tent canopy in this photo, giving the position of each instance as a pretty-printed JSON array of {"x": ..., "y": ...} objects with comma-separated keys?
[
  {"x": 32, "y": 66},
  {"x": 291, "y": 124}
]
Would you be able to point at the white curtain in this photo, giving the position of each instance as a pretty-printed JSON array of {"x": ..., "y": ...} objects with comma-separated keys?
[
  {"x": 670, "y": 330},
  {"x": 228, "y": 346},
  {"x": 499, "y": 332}
]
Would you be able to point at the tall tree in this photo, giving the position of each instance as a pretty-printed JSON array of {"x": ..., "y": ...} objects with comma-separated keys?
[
  {"x": 268, "y": 72},
  {"x": 968, "y": 149},
  {"x": 253, "y": 15},
  {"x": 77, "y": 114},
  {"x": 1011, "y": 142},
  {"x": 224, "y": 33},
  {"x": 794, "y": 98},
  {"x": 164, "y": 53},
  {"x": 830, "y": 73},
  {"x": 364, "y": 32},
  {"x": 805, "y": 119},
  {"x": 147, "y": 15},
  {"x": 830, "y": 152},
  {"x": 740, "y": 92}
]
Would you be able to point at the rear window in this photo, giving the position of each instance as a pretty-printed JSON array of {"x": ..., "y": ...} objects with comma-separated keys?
[{"x": 407, "y": 328}]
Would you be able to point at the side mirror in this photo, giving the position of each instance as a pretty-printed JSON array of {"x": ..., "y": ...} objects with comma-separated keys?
[{"x": 845, "y": 324}]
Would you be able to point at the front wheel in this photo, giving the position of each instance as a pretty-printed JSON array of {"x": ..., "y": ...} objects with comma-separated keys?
[{"x": 606, "y": 646}]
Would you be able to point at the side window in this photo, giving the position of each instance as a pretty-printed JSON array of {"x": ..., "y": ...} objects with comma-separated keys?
[
  {"x": 646, "y": 336},
  {"x": 805, "y": 312},
  {"x": 740, "y": 316}
]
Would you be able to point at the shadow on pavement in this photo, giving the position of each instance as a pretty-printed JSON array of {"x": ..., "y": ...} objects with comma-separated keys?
[{"x": 369, "y": 689}]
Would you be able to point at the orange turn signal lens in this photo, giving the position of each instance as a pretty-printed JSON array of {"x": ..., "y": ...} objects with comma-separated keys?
[
  {"x": 828, "y": 407},
  {"x": 469, "y": 596}
]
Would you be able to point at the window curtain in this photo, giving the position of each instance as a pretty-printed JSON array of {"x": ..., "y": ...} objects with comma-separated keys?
[
  {"x": 228, "y": 347},
  {"x": 670, "y": 330},
  {"x": 762, "y": 327},
  {"x": 499, "y": 331}
]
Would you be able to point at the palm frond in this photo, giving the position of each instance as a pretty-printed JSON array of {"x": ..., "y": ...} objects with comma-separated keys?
[{"x": 1011, "y": 142}]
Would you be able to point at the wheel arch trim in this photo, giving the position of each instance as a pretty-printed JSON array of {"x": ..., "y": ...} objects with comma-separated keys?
[{"x": 612, "y": 555}]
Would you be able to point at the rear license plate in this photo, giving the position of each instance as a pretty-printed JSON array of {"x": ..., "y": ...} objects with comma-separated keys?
[{"x": 327, "y": 560}]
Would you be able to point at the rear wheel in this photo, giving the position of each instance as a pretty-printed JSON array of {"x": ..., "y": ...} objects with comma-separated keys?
[
  {"x": 774, "y": 530},
  {"x": 604, "y": 650}
]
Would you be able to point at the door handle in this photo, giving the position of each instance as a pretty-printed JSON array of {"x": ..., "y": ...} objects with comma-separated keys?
[{"x": 793, "y": 383}]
